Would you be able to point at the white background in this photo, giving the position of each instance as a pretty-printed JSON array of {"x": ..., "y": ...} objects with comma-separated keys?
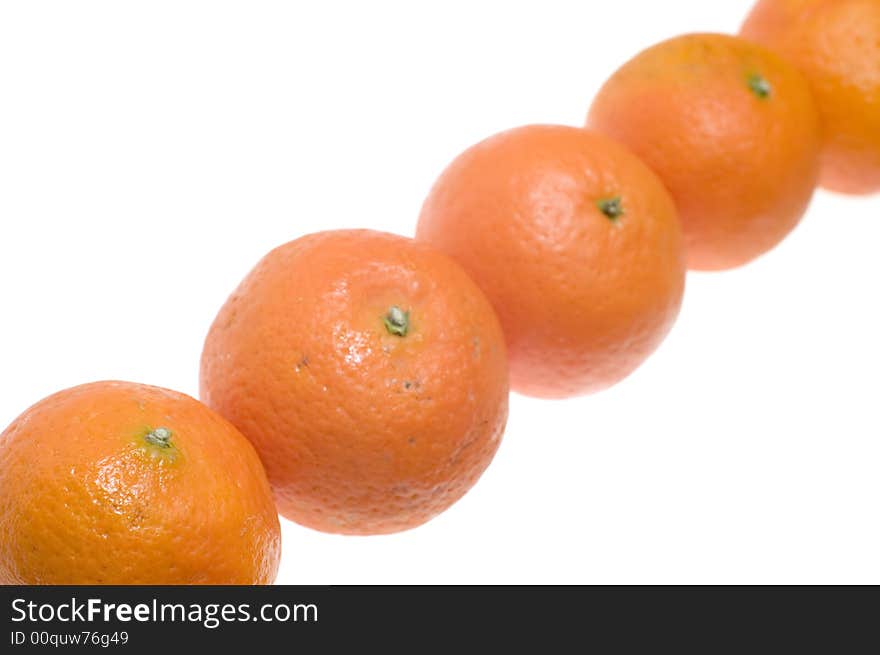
[{"x": 151, "y": 152}]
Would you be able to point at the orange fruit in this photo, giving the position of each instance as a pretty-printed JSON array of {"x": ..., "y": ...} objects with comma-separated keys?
[
  {"x": 836, "y": 43},
  {"x": 576, "y": 243},
  {"x": 733, "y": 132},
  {"x": 121, "y": 483},
  {"x": 369, "y": 372}
]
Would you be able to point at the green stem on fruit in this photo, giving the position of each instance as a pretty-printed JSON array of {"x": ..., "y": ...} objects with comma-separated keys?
[
  {"x": 396, "y": 321},
  {"x": 160, "y": 437},
  {"x": 760, "y": 86},
  {"x": 611, "y": 207}
]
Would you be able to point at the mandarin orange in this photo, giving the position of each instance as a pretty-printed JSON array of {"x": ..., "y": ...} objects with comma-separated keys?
[
  {"x": 121, "y": 483},
  {"x": 576, "y": 243},
  {"x": 733, "y": 132},
  {"x": 370, "y": 373}
]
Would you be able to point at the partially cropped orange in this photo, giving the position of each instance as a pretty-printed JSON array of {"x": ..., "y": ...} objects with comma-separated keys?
[
  {"x": 732, "y": 130},
  {"x": 576, "y": 243},
  {"x": 836, "y": 43},
  {"x": 370, "y": 373},
  {"x": 121, "y": 483}
]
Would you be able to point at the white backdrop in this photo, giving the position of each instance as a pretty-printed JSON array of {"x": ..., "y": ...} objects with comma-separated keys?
[{"x": 151, "y": 152}]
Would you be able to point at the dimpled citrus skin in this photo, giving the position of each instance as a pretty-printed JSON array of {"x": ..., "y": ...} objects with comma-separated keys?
[
  {"x": 583, "y": 297},
  {"x": 836, "y": 43},
  {"x": 362, "y": 430},
  {"x": 733, "y": 132},
  {"x": 86, "y": 498}
]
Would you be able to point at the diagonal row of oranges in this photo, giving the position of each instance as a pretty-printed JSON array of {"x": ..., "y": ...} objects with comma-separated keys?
[{"x": 358, "y": 381}]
